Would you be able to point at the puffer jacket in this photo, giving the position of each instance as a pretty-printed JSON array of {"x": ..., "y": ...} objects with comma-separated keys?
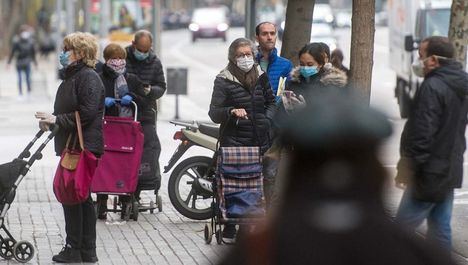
[
  {"x": 135, "y": 90},
  {"x": 259, "y": 103},
  {"x": 81, "y": 90},
  {"x": 433, "y": 139},
  {"x": 277, "y": 67},
  {"x": 150, "y": 72}
]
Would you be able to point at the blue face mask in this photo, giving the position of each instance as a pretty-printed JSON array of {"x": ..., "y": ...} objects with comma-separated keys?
[
  {"x": 64, "y": 58},
  {"x": 140, "y": 56},
  {"x": 308, "y": 71}
]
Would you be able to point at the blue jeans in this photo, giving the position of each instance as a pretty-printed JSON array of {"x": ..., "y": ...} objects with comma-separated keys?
[
  {"x": 27, "y": 74},
  {"x": 412, "y": 213}
]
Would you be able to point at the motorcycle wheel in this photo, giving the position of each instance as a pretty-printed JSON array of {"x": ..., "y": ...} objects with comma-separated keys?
[{"x": 183, "y": 197}]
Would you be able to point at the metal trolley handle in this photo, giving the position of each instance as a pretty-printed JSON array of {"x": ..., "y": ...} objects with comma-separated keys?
[{"x": 134, "y": 105}]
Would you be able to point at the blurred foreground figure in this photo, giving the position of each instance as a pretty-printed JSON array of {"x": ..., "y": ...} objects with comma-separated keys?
[{"x": 331, "y": 210}]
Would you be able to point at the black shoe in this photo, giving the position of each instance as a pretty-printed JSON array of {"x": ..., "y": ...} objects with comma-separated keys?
[
  {"x": 229, "y": 233},
  {"x": 89, "y": 255},
  {"x": 102, "y": 215},
  {"x": 68, "y": 255},
  {"x": 102, "y": 210}
]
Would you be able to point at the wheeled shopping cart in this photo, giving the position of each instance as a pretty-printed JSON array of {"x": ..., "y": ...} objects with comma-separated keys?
[
  {"x": 118, "y": 168},
  {"x": 238, "y": 191},
  {"x": 11, "y": 175}
]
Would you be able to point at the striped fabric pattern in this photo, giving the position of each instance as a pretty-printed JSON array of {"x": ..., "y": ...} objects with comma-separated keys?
[
  {"x": 240, "y": 155},
  {"x": 244, "y": 157}
]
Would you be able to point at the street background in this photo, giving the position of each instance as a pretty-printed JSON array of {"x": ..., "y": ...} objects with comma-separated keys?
[{"x": 166, "y": 237}]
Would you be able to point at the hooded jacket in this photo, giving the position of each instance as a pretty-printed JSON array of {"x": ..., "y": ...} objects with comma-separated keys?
[
  {"x": 326, "y": 79},
  {"x": 150, "y": 72},
  {"x": 259, "y": 103},
  {"x": 81, "y": 90},
  {"x": 433, "y": 139}
]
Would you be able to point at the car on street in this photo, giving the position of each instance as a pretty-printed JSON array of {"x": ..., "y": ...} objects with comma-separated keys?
[
  {"x": 210, "y": 22},
  {"x": 322, "y": 14}
]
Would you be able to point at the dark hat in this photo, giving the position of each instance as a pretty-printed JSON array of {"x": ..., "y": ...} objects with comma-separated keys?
[{"x": 333, "y": 121}]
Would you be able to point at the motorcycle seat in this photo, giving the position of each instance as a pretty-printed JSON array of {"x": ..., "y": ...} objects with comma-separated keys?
[{"x": 209, "y": 129}]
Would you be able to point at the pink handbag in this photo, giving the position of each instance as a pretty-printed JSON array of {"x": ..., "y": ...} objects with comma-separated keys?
[{"x": 75, "y": 171}]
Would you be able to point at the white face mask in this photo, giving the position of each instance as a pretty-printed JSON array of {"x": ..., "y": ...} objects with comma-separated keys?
[
  {"x": 418, "y": 68},
  {"x": 245, "y": 63},
  {"x": 25, "y": 35}
]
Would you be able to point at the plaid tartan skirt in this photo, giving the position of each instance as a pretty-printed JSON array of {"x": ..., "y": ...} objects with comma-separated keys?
[{"x": 239, "y": 182}]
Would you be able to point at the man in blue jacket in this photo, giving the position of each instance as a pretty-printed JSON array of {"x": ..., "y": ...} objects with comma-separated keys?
[{"x": 274, "y": 65}]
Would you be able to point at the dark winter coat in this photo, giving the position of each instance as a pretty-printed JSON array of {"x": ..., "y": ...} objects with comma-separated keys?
[
  {"x": 24, "y": 52},
  {"x": 81, "y": 90},
  {"x": 135, "y": 90},
  {"x": 433, "y": 139},
  {"x": 259, "y": 103},
  {"x": 150, "y": 72},
  {"x": 327, "y": 81},
  {"x": 277, "y": 67}
]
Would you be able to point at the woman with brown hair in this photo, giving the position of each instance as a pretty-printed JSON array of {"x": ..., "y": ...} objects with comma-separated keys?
[
  {"x": 82, "y": 91},
  {"x": 121, "y": 85}
]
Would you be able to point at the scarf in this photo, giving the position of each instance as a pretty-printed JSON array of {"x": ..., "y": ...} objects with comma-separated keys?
[
  {"x": 248, "y": 80},
  {"x": 120, "y": 84}
]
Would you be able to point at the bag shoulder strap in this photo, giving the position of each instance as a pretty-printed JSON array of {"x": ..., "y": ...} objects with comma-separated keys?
[{"x": 79, "y": 129}]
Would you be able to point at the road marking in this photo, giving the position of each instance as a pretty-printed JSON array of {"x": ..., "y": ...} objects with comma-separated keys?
[
  {"x": 461, "y": 193},
  {"x": 461, "y": 201}
]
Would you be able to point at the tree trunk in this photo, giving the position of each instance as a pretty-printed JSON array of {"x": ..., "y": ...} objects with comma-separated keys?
[
  {"x": 297, "y": 28},
  {"x": 12, "y": 19},
  {"x": 458, "y": 30},
  {"x": 362, "y": 47}
]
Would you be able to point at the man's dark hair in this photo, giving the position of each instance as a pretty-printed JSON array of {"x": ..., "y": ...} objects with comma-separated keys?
[
  {"x": 257, "y": 28},
  {"x": 316, "y": 50},
  {"x": 440, "y": 46}
]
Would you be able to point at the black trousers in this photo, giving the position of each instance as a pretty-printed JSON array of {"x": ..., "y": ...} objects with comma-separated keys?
[
  {"x": 149, "y": 177},
  {"x": 80, "y": 225}
]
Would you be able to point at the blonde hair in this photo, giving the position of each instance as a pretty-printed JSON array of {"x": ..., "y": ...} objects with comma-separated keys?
[{"x": 84, "y": 45}]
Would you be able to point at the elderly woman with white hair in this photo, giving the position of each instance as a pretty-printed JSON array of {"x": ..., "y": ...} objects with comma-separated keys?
[
  {"x": 81, "y": 90},
  {"x": 243, "y": 103}
]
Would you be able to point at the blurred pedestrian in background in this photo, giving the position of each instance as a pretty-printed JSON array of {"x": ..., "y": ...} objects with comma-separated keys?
[
  {"x": 331, "y": 209},
  {"x": 243, "y": 103},
  {"x": 81, "y": 90},
  {"x": 119, "y": 85},
  {"x": 125, "y": 18},
  {"x": 433, "y": 142},
  {"x": 24, "y": 52},
  {"x": 142, "y": 62},
  {"x": 337, "y": 61}
]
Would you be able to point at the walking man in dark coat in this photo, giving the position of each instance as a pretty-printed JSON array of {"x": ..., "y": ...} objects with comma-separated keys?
[
  {"x": 433, "y": 142},
  {"x": 142, "y": 62}
]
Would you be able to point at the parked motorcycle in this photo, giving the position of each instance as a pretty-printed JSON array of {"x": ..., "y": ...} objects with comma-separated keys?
[{"x": 190, "y": 183}]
